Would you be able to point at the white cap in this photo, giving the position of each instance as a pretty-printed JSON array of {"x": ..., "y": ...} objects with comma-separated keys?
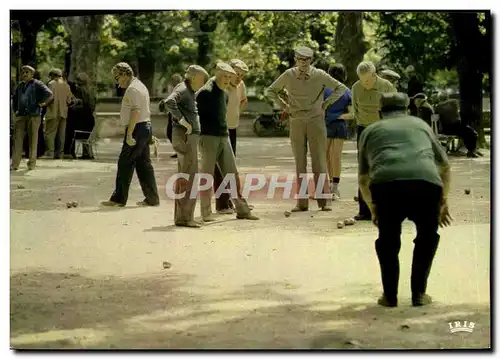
[
  {"x": 237, "y": 63},
  {"x": 192, "y": 69},
  {"x": 304, "y": 51},
  {"x": 222, "y": 66}
]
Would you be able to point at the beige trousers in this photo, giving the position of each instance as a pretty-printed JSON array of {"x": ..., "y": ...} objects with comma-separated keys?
[
  {"x": 312, "y": 132},
  {"x": 55, "y": 127},
  {"x": 186, "y": 147},
  {"x": 20, "y": 125},
  {"x": 216, "y": 150}
]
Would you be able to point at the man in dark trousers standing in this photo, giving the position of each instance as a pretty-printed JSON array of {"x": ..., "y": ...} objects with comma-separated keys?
[
  {"x": 135, "y": 116},
  {"x": 404, "y": 173}
]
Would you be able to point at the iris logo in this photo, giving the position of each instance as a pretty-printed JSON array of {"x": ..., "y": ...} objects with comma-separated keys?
[{"x": 459, "y": 326}]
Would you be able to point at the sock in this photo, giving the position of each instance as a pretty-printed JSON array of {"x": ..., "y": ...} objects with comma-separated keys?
[{"x": 336, "y": 180}]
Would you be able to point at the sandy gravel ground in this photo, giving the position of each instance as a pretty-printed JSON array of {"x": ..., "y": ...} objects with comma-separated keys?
[{"x": 87, "y": 277}]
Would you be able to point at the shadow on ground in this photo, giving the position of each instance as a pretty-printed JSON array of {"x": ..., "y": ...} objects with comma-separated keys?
[{"x": 70, "y": 311}]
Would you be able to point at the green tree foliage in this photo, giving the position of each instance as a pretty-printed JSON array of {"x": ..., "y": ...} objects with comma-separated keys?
[
  {"x": 265, "y": 40},
  {"x": 421, "y": 39},
  {"x": 51, "y": 46}
]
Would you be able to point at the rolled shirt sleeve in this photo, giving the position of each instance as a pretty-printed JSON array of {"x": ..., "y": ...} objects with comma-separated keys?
[{"x": 130, "y": 102}]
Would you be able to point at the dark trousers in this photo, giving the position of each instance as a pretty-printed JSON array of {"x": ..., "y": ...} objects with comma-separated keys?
[
  {"x": 170, "y": 127},
  {"x": 419, "y": 201},
  {"x": 466, "y": 133},
  {"x": 224, "y": 201},
  {"x": 136, "y": 157},
  {"x": 364, "y": 210}
]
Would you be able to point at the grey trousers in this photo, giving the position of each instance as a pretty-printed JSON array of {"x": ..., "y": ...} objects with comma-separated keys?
[
  {"x": 216, "y": 150},
  {"x": 186, "y": 147},
  {"x": 312, "y": 132}
]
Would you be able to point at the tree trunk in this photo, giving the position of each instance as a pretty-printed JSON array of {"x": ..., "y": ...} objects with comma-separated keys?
[
  {"x": 207, "y": 23},
  {"x": 350, "y": 46},
  {"x": 468, "y": 41},
  {"x": 29, "y": 30},
  {"x": 146, "y": 71},
  {"x": 204, "y": 49},
  {"x": 67, "y": 60},
  {"x": 85, "y": 33}
]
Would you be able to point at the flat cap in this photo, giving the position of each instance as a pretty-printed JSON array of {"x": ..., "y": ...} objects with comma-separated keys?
[
  {"x": 393, "y": 101},
  {"x": 420, "y": 95},
  {"x": 238, "y": 64},
  {"x": 222, "y": 66},
  {"x": 410, "y": 68},
  {"x": 390, "y": 73},
  {"x": 304, "y": 51},
  {"x": 192, "y": 69},
  {"x": 56, "y": 72},
  {"x": 28, "y": 67}
]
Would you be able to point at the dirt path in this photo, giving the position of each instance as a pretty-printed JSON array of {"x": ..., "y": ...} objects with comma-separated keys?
[{"x": 92, "y": 278}]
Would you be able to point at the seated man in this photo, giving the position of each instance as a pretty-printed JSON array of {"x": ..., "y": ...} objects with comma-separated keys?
[
  {"x": 449, "y": 119},
  {"x": 424, "y": 108}
]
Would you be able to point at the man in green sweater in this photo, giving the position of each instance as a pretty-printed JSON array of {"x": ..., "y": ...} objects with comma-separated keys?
[
  {"x": 215, "y": 147},
  {"x": 404, "y": 173},
  {"x": 366, "y": 94}
]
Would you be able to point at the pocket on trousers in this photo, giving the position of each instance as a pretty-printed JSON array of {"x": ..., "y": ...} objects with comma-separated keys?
[{"x": 180, "y": 144}]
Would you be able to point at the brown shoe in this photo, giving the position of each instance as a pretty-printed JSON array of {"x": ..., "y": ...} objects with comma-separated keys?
[
  {"x": 298, "y": 208},
  {"x": 190, "y": 224},
  {"x": 326, "y": 208},
  {"x": 249, "y": 216},
  {"x": 111, "y": 204}
]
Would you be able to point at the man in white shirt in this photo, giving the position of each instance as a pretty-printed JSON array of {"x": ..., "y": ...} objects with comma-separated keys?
[{"x": 135, "y": 115}]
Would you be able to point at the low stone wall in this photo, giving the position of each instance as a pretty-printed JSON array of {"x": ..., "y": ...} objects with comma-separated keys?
[
  {"x": 111, "y": 127},
  {"x": 108, "y": 111}
]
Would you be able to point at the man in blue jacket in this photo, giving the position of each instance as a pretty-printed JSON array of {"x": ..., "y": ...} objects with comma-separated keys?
[{"x": 30, "y": 96}]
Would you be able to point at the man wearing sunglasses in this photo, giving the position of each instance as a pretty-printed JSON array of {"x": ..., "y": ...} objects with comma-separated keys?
[
  {"x": 305, "y": 86},
  {"x": 30, "y": 96},
  {"x": 135, "y": 115}
]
